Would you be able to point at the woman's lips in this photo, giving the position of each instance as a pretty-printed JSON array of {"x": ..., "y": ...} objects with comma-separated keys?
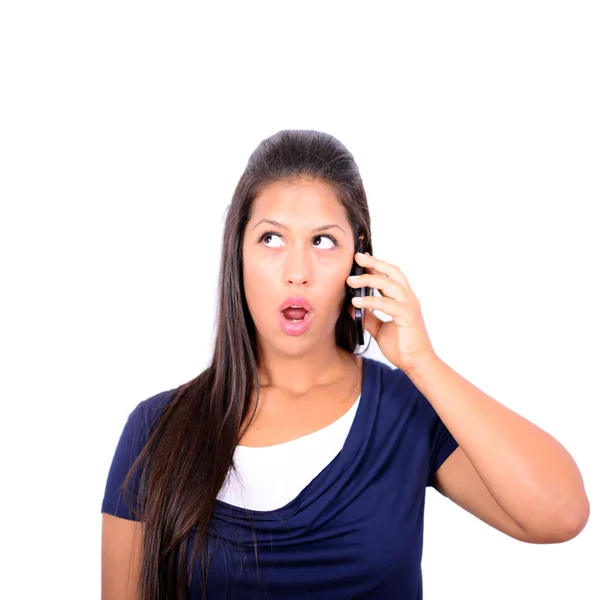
[
  {"x": 296, "y": 301},
  {"x": 295, "y": 313},
  {"x": 295, "y": 328}
]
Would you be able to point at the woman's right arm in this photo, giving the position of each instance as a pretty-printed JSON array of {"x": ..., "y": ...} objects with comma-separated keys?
[{"x": 121, "y": 557}]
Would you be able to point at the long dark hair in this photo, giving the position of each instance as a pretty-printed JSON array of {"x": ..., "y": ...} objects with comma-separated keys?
[{"x": 190, "y": 449}]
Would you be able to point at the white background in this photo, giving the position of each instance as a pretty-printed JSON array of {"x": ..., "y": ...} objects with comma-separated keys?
[{"x": 123, "y": 131}]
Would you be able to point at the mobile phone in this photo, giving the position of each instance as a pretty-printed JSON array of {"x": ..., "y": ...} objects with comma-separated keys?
[{"x": 363, "y": 291}]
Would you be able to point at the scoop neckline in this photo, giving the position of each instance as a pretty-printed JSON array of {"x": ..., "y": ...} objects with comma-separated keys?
[
  {"x": 336, "y": 468},
  {"x": 353, "y": 408}
]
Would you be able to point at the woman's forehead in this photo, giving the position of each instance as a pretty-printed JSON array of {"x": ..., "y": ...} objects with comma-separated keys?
[{"x": 280, "y": 200}]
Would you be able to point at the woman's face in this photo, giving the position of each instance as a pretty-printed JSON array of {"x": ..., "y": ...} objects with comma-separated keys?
[{"x": 296, "y": 259}]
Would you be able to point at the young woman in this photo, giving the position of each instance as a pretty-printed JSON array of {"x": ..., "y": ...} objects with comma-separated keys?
[{"x": 292, "y": 467}]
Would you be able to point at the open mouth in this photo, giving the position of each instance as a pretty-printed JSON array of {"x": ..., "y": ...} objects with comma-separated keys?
[
  {"x": 295, "y": 323},
  {"x": 295, "y": 315}
]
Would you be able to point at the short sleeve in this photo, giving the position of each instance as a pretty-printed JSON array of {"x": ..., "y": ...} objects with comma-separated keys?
[
  {"x": 442, "y": 444},
  {"x": 132, "y": 440}
]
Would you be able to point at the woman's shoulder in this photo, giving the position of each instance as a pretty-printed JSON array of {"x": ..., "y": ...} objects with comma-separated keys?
[
  {"x": 396, "y": 392},
  {"x": 388, "y": 379},
  {"x": 134, "y": 436},
  {"x": 144, "y": 416},
  {"x": 148, "y": 411}
]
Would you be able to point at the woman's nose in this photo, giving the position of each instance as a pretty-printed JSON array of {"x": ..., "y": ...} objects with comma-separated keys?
[{"x": 297, "y": 268}]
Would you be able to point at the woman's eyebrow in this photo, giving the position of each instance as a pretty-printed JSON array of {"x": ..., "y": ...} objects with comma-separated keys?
[{"x": 282, "y": 226}]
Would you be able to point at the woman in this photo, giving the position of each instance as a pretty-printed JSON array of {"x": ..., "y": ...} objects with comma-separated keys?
[{"x": 292, "y": 467}]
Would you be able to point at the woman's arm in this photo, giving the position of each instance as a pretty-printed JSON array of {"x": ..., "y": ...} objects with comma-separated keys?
[{"x": 528, "y": 473}]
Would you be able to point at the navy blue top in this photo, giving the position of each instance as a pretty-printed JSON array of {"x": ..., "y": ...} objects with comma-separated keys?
[{"x": 355, "y": 531}]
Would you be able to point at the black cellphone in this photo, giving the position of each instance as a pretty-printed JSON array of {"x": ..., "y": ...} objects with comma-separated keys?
[{"x": 363, "y": 291}]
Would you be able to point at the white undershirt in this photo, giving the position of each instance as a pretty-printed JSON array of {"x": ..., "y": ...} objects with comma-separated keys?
[{"x": 269, "y": 477}]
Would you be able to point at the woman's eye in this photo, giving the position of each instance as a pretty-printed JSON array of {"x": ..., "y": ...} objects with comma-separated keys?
[
  {"x": 325, "y": 237},
  {"x": 267, "y": 236},
  {"x": 271, "y": 235}
]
